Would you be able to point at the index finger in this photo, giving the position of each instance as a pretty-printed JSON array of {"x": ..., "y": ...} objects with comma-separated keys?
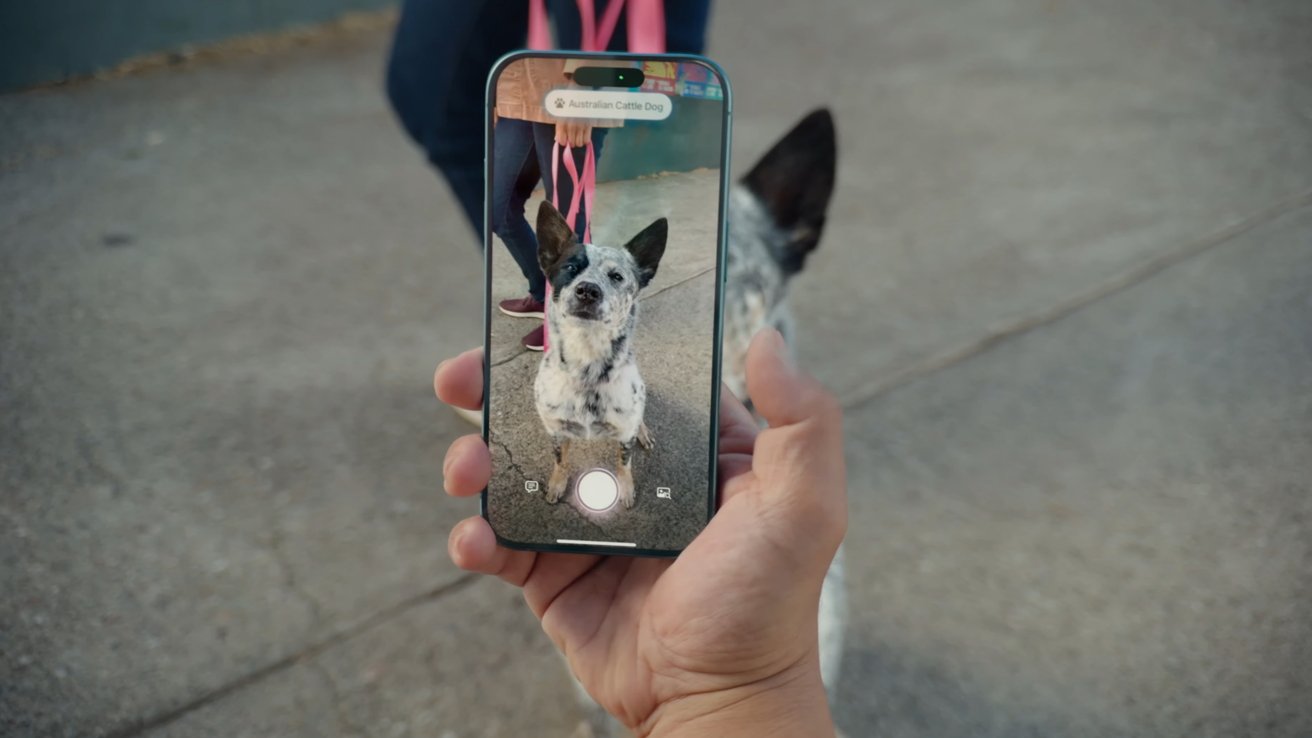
[{"x": 459, "y": 381}]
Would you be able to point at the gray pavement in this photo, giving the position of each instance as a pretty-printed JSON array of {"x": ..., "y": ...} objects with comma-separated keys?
[
  {"x": 1064, "y": 295},
  {"x": 1100, "y": 527}
]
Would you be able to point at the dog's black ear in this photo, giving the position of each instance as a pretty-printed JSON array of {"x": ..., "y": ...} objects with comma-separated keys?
[
  {"x": 647, "y": 248},
  {"x": 794, "y": 181},
  {"x": 555, "y": 238}
]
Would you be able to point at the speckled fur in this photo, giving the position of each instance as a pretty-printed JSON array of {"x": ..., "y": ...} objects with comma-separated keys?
[{"x": 755, "y": 288}]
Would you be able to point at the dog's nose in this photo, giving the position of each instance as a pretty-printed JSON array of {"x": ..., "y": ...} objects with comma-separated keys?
[{"x": 587, "y": 293}]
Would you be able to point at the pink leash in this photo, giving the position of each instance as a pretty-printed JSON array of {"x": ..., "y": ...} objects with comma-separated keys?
[
  {"x": 585, "y": 187},
  {"x": 646, "y": 25},
  {"x": 646, "y": 28}
]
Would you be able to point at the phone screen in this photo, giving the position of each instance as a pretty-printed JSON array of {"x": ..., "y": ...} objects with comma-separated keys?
[{"x": 605, "y": 255}]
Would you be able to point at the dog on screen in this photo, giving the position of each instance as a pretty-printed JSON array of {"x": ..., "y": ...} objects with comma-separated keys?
[{"x": 588, "y": 384}]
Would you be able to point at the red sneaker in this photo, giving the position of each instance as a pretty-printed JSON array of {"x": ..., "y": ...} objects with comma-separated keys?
[
  {"x": 534, "y": 341},
  {"x": 524, "y": 307}
]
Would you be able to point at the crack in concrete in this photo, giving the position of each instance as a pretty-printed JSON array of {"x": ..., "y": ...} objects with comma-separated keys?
[
  {"x": 669, "y": 287},
  {"x": 344, "y": 722},
  {"x": 510, "y": 358},
  {"x": 342, "y": 635},
  {"x": 885, "y": 382},
  {"x": 289, "y": 580},
  {"x": 97, "y": 467},
  {"x": 510, "y": 456}
]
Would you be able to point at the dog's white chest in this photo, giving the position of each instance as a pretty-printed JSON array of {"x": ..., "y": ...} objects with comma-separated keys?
[{"x": 580, "y": 403}]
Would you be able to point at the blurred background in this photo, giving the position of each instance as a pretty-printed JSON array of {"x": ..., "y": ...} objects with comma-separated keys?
[{"x": 1065, "y": 296}]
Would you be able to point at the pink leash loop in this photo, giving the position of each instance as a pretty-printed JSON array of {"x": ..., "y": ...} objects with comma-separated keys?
[
  {"x": 576, "y": 197},
  {"x": 555, "y": 174},
  {"x": 539, "y": 36},
  {"x": 585, "y": 186},
  {"x": 646, "y": 27},
  {"x": 589, "y": 187},
  {"x": 608, "y": 23}
]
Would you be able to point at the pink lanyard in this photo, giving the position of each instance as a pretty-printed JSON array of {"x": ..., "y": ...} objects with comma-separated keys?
[
  {"x": 646, "y": 28},
  {"x": 646, "y": 25},
  {"x": 584, "y": 187}
]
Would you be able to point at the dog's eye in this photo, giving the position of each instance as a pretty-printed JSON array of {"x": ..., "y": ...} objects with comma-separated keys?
[
  {"x": 616, "y": 277},
  {"x": 570, "y": 269}
]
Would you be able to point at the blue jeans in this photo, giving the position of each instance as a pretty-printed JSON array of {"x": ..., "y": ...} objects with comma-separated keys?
[
  {"x": 521, "y": 158},
  {"x": 442, "y": 53}
]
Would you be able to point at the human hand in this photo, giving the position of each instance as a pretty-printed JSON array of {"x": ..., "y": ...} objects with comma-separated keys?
[
  {"x": 573, "y": 132},
  {"x": 722, "y": 640}
]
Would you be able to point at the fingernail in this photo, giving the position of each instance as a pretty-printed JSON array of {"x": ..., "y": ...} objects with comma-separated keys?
[
  {"x": 781, "y": 349},
  {"x": 446, "y": 469},
  {"x": 457, "y": 536}
]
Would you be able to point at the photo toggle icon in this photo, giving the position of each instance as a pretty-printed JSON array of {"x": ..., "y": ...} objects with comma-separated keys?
[{"x": 598, "y": 489}]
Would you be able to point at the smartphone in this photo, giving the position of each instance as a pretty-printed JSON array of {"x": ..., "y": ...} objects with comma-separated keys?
[{"x": 605, "y": 261}]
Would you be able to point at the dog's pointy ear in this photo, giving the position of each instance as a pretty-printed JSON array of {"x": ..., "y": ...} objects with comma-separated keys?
[
  {"x": 555, "y": 238},
  {"x": 647, "y": 249},
  {"x": 794, "y": 181}
]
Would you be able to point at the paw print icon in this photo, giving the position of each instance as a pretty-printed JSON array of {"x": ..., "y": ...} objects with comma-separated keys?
[{"x": 560, "y": 103}]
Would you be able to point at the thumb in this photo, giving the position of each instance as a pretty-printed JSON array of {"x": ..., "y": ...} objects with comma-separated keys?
[
  {"x": 782, "y": 393},
  {"x": 799, "y": 458}
]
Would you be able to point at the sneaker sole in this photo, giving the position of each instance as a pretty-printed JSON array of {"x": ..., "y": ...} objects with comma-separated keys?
[
  {"x": 539, "y": 315},
  {"x": 535, "y": 348}
]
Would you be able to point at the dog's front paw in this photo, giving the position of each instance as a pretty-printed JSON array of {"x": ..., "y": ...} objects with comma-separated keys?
[
  {"x": 625, "y": 478},
  {"x": 557, "y": 485},
  {"x": 644, "y": 438}
]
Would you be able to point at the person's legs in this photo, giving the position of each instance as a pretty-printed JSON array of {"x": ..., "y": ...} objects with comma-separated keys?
[
  {"x": 514, "y": 175},
  {"x": 436, "y": 75},
  {"x": 443, "y": 51},
  {"x": 685, "y": 25}
]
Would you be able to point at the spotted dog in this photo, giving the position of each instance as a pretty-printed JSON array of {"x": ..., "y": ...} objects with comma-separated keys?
[
  {"x": 588, "y": 385},
  {"x": 776, "y": 214}
]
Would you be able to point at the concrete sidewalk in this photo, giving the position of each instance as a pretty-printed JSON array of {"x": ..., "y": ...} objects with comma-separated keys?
[{"x": 1063, "y": 294}]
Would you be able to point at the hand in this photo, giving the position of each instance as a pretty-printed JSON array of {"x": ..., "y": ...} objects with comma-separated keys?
[
  {"x": 573, "y": 132},
  {"x": 722, "y": 640}
]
